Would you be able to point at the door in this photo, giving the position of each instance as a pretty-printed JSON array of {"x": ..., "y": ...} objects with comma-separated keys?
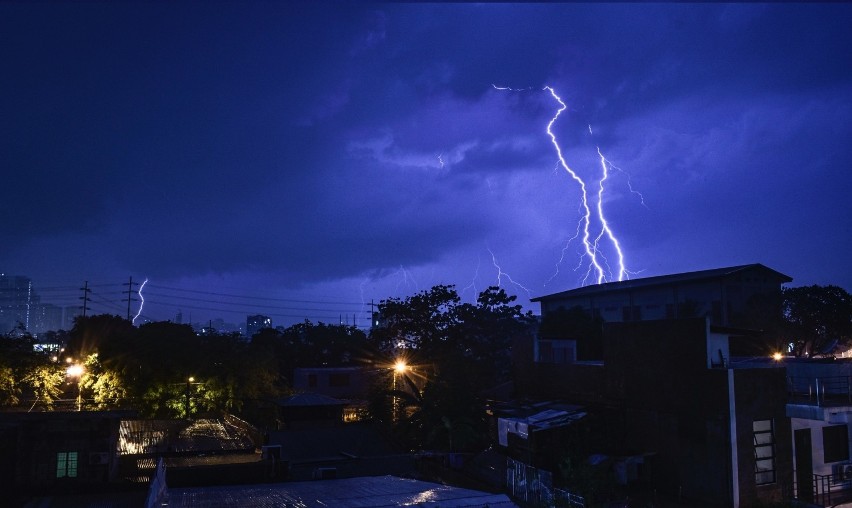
[{"x": 804, "y": 465}]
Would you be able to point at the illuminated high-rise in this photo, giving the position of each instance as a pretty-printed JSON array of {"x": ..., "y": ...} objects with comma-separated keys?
[{"x": 16, "y": 301}]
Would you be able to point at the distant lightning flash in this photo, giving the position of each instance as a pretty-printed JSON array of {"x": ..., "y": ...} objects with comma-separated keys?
[
  {"x": 472, "y": 284},
  {"x": 501, "y": 274},
  {"x": 598, "y": 267},
  {"x": 141, "y": 302}
]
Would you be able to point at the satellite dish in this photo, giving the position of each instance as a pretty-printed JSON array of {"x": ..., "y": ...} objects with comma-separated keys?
[{"x": 829, "y": 348}]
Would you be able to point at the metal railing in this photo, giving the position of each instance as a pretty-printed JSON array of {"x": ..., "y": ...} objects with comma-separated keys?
[
  {"x": 824, "y": 490},
  {"x": 821, "y": 391}
]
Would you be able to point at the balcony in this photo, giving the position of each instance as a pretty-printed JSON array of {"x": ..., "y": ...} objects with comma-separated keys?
[{"x": 829, "y": 391}]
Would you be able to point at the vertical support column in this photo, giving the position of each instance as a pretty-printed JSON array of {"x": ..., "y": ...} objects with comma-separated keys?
[{"x": 732, "y": 411}]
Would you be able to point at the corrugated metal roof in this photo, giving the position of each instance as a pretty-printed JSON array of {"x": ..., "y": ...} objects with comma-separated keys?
[
  {"x": 660, "y": 281},
  {"x": 201, "y": 435},
  {"x": 365, "y": 492}
]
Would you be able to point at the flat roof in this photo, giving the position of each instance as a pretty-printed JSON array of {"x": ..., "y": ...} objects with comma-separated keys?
[
  {"x": 364, "y": 492},
  {"x": 661, "y": 280}
]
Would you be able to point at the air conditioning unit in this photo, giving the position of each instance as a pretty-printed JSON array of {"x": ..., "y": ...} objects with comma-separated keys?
[
  {"x": 846, "y": 472},
  {"x": 99, "y": 459}
]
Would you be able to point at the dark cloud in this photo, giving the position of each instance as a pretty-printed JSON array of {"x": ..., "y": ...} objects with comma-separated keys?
[{"x": 361, "y": 149}]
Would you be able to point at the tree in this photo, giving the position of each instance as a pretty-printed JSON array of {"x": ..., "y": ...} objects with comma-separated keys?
[
  {"x": 104, "y": 387},
  {"x": 45, "y": 380},
  {"x": 17, "y": 357},
  {"x": 462, "y": 349},
  {"x": 816, "y": 316}
]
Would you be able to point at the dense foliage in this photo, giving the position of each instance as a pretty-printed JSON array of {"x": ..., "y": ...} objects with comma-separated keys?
[
  {"x": 455, "y": 352},
  {"x": 164, "y": 369}
]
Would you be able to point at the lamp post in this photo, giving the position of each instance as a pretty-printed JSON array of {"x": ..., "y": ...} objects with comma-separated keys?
[
  {"x": 75, "y": 370},
  {"x": 189, "y": 382},
  {"x": 399, "y": 369}
]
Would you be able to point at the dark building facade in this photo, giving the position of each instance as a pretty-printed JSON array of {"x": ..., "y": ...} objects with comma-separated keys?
[
  {"x": 713, "y": 433},
  {"x": 59, "y": 451},
  {"x": 721, "y": 294}
]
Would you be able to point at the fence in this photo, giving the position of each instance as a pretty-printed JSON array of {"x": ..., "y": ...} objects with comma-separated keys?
[
  {"x": 821, "y": 391},
  {"x": 535, "y": 487}
]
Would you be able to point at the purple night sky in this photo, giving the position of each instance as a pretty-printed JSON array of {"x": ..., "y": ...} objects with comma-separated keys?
[{"x": 301, "y": 160}]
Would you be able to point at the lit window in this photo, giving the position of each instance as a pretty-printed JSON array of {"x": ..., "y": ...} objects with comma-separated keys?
[
  {"x": 764, "y": 452},
  {"x": 66, "y": 465}
]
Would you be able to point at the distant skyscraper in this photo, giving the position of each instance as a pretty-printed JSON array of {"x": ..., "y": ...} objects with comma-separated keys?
[
  {"x": 16, "y": 301},
  {"x": 45, "y": 317},
  {"x": 257, "y": 323}
]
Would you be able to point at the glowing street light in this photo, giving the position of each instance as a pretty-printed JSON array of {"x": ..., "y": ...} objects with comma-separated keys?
[
  {"x": 400, "y": 367},
  {"x": 777, "y": 357},
  {"x": 189, "y": 382},
  {"x": 75, "y": 370}
]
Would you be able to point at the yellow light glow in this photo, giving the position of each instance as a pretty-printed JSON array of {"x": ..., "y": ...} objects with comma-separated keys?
[
  {"x": 191, "y": 379},
  {"x": 400, "y": 366},
  {"x": 75, "y": 370},
  {"x": 777, "y": 357}
]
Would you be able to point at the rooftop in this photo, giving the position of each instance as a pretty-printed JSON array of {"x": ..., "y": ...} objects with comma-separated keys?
[
  {"x": 661, "y": 280},
  {"x": 365, "y": 492}
]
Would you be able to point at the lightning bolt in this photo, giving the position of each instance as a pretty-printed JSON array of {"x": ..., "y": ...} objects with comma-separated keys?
[
  {"x": 589, "y": 246},
  {"x": 627, "y": 175},
  {"x": 441, "y": 160},
  {"x": 407, "y": 279},
  {"x": 472, "y": 284},
  {"x": 141, "y": 302},
  {"x": 598, "y": 269},
  {"x": 501, "y": 274}
]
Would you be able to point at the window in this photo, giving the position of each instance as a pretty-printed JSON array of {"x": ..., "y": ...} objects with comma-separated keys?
[
  {"x": 764, "y": 452},
  {"x": 66, "y": 465},
  {"x": 835, "y": 442}
]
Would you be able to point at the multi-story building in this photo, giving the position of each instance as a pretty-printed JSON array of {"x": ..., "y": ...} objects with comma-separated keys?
[
  {"x": 45, "y": 317},
  {"x": 722, "y": 294},
  {"x": 16, "y": 301},
  {"x": 257, "y": 323},
  {"x": 710, "y": 431},
  {"x": 707, "y": 428}
]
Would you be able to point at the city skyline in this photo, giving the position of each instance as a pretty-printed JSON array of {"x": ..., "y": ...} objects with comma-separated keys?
[{"x": 319, "y": 158}]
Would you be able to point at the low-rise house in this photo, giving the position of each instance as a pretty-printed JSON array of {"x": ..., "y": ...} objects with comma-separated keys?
[
  {"x": 819, "y": 406},
  {"x": 55, "y": 452}
]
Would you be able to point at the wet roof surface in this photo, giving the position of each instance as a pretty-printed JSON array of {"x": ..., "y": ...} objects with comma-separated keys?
[{"x": 365, "y": 492}]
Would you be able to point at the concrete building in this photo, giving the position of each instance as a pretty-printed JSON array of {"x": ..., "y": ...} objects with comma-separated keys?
[
  {"x": 819, "y": 406},
  {"x": 722, "y": 294},
  {"x": 257, "y": 323},
  {"x": 16, "y": 298},
  {"x": 713, "y": 433}
]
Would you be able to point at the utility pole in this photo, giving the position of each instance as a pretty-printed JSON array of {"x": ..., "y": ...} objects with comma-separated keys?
[
  {"x": 85, "y": 289},
  {"x": 129, "y": 285}
]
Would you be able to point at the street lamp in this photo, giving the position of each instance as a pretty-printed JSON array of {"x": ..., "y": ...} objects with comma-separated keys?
[
  {"x": 189, "y": 382},
  {"x": 75, "y": 370}
]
